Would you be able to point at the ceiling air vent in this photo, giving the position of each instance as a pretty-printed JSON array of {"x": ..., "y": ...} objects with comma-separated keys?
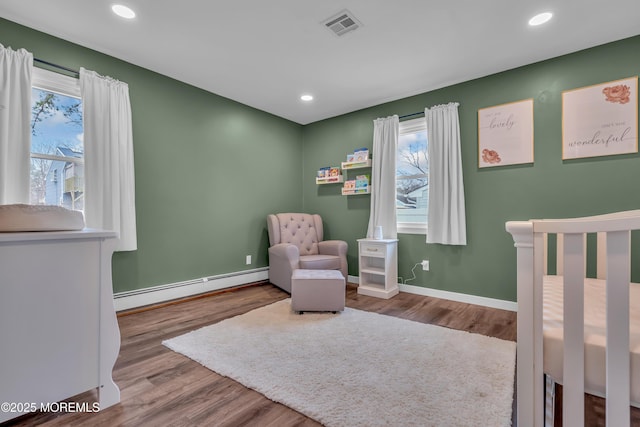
[{"x": 342, "y": 23}]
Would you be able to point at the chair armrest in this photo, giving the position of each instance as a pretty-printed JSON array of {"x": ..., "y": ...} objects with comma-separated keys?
[
  {"x": 333, "y": 247},
  {"x": 283, "y": 259},
  {"x": 286, "y": 251}
]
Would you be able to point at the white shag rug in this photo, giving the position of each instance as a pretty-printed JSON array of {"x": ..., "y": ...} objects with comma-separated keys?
[{"x": 357, "y": 368}]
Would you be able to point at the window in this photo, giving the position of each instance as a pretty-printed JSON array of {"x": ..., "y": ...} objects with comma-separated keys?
[
  {"x": 412, "y": 177},
  {"x": 57, "y": 148}
]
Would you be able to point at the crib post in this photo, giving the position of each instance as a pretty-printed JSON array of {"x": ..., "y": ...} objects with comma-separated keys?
[
  {"x": 530, "y": 377},
  {"x": 618, "y": 363},
  {"x": 573, "y": 337}
]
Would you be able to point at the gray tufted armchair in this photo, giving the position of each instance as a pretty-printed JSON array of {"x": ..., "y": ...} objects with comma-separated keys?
[{"x": 296, "y": 242}]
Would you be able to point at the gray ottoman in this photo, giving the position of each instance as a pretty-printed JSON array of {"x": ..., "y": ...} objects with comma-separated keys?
[{"x": 317, "y": 290}]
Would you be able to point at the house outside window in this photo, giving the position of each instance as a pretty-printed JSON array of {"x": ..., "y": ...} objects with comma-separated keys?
[
  {"x": 57, "y": 147},
  {"x": 412, "y": 177}
]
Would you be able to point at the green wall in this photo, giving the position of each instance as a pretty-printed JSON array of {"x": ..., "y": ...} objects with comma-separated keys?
[
  {"x": 548, "y": 188},
  {"x": 208, "y": 170}
]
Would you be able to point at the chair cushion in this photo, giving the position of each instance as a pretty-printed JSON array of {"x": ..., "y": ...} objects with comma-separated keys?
[{"x": 320, "y": 262}]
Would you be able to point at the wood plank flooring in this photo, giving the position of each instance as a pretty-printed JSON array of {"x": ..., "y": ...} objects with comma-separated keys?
[{"x": 162, "y": 388}]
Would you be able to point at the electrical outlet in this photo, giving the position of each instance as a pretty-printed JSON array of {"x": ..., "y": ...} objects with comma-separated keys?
[
  {"x": 248, "y": 261},
  {"x": 425, "y": 265}
]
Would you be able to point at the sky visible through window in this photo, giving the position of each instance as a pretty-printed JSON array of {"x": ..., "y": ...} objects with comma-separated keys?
[
  {"x": 56, "y": 130},
  {"x": 412, "y": 167},
  {"x": 59, "y": 123}
]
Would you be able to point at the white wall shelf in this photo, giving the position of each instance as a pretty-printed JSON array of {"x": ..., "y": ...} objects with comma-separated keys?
[
  {"x": 330, "y": 180},
  {"x": 356, "y": 165},
  {"x": 356, "y": 191}
]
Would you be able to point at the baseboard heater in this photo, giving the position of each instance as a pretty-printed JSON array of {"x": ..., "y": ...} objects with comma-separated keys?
[{"x": 156, "y": 294}]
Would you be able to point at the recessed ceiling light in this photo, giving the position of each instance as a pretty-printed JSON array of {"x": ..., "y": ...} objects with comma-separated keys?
[
  {"x": 307, "y": 98},
  {"x": 540, "y": 18},
  {"x": 123, "y": 11}
]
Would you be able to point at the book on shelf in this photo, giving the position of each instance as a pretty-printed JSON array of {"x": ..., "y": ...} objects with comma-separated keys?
[
  {"x": 362, "y": 181},
  {"x": 360, "y": 185},
  {"x": 328, "y": 171},
  {"x": 323, "y": 172},
  {"x": 361, "y": 155}
]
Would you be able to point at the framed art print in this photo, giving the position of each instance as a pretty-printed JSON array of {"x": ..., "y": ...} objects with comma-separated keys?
[
  {"x": 505, "y": 134},
  {"x": 600, "y": 120}
]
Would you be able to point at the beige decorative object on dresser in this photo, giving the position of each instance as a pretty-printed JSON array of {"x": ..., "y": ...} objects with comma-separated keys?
[{"x": 378, "y": 265}]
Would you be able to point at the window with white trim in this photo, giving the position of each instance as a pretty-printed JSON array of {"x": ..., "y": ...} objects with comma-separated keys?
[
  {"x": 57, "y": 147},
  {"x": 412, "y": 177}
]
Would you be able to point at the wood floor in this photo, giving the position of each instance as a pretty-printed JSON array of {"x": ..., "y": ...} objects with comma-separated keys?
[{"x": 162, "y": 388}]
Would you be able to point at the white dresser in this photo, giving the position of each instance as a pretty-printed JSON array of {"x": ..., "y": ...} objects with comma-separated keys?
[
  {"x": 59, "y": 334},
  {"x": 378, "y": 265}
]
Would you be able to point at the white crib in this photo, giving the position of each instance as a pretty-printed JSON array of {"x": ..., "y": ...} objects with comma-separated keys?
[{"x": 599, "y": 350}]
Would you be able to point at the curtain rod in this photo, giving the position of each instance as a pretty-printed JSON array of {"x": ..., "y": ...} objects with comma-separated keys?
[
  {"x": 60, "y": 67},
  {"x": 411, "y": 115}
]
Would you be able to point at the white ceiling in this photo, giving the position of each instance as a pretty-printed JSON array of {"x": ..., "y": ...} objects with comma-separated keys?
[{"x": 267, "y": 53}]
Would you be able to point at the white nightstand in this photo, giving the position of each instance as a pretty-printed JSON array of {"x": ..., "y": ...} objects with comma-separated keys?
[{"x": 378, "y": 265}]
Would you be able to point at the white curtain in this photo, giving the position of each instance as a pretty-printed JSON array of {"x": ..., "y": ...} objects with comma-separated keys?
[
  {"x": 383, "y": 177},
  {"x": 16, "y": 68},
  {"x": 447, "y": 219},
  {"x": 108, "y": 144}
]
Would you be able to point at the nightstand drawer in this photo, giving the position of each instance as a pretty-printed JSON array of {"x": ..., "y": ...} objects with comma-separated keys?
[{"x": 373, "y": 249}]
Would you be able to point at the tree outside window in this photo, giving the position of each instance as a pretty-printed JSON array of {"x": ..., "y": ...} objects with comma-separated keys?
[
  {"x": 57, "y": 150},
  {"x": 412, "y": 177}
]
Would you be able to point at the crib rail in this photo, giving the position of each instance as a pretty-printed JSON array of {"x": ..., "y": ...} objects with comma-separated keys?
[{"x": 530, "y": 238}]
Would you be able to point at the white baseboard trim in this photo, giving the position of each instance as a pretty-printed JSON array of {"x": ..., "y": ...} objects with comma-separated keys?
[
  {"x": 453, "y": 296},
  {"x": 162, "y": 293}
]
